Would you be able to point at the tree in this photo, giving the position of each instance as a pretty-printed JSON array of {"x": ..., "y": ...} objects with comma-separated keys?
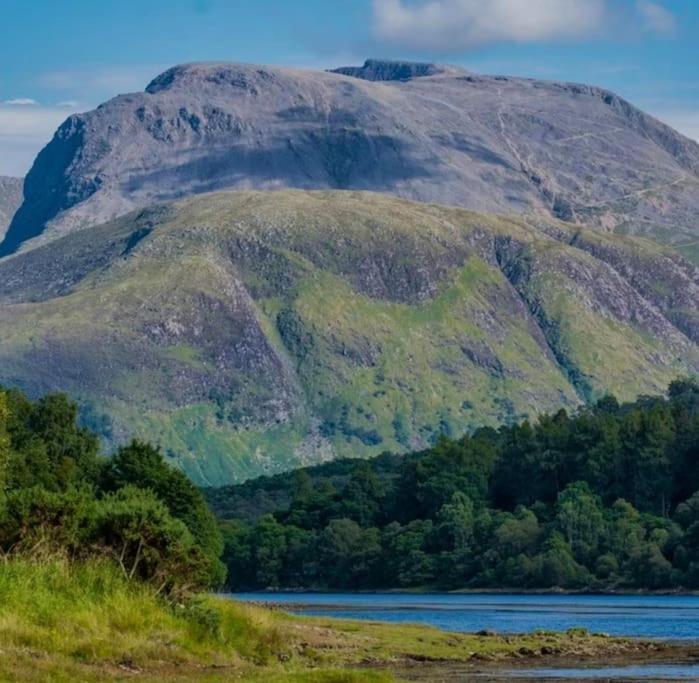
[
  {"x": 41, "y": 522},
  {"x": 301, "y": 566},
  {"x": 647, "y": 436},
  {"x": 455, "y": 523},
  {"x": 580, "y": 519},
  {"x": 142, "y": 465},
  {"x": 450, "y": 467},
  {"x": 516, "y": 464},
  {"x": 687, "y": 555},
  {"x": 552, "y": 463},
  {"x": 361, "y": 498},
  {"x": 518, "y": 533},
  {"x": 59, "y": 496},
  {"x": 557, "y": 566},
  {"x": 237, "y": 554},
  {"x": 625, "y": 532},
  {"x": 648, "y": 567},
  {"x": 72, "y": 451},
  {"x": 347, "y": 553},
  {"x": 269, "y": 550},
  {"x": 4, "y": 443},
  {"x": 454, "y": 534},
  {"x": 406, "y": 556}
]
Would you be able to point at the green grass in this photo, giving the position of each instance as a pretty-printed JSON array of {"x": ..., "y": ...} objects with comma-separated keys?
[
  {"x": 419, "y": 368},
  {"x": 607, "y": 352},
  {"x": 65, "y": 622}
]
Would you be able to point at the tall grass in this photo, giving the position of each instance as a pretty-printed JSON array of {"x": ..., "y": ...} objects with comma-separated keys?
[
  {"x": 67, "y": 621},
  {"x": 90, "y": 613}
]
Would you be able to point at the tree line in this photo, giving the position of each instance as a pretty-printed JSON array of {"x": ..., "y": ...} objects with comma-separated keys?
[
  {"x": 60, "y": 496},
  {"x": 605, "y": 498}
]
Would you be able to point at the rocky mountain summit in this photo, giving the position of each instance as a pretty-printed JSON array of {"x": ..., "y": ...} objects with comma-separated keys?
[
  {"x": 419, "y": 131},
  {"x": 10, "y": 199},
  {"x": 249, "y": 332}
]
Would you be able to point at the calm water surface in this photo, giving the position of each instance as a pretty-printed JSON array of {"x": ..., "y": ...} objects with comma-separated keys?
[
  {"x": 654, "y": 672},
  {"x": 647, "y": 616}
]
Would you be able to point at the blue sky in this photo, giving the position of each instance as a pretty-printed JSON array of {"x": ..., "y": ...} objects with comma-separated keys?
[{"x": 61, "y": 57}]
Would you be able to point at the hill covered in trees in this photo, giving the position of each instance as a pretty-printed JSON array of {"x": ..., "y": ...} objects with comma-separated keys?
[{"x": 604, "y": 498}]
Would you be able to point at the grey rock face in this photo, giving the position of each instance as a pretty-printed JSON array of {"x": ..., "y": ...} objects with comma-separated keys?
[
  {"x": 10, "y": 199},
  {"x": 421, "y": 131},
  {"x": 389, "y": 70}
]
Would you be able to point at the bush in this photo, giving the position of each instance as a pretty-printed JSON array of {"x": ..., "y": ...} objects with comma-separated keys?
[
  {"x": 37, "y": 521},
  {"x": 148, "y": 543}
]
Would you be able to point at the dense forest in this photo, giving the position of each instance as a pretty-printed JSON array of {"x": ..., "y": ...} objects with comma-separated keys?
[
  {"x": 59, "y": 497},
  {"x": 606, "y": 498}
]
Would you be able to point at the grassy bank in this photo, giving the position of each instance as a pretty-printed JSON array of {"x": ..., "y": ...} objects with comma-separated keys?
[{"x": 64, "y": 622}]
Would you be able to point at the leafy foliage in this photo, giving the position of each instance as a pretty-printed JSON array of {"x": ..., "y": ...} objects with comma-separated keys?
[
  {"x": 59, "y": 496},
  {"x": 605, "y": 498}
]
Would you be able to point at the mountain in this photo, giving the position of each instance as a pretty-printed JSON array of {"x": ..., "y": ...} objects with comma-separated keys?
[
  {"x": 10, "y": 199},
  {"x": 249, "y": 332},
  {"x": 420, "y": 131}
]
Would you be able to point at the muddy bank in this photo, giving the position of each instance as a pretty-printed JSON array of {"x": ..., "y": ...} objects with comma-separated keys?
[{"x": 620, "y": 661}]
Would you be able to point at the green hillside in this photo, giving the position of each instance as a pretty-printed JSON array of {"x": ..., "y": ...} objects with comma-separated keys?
[{"x": 251, "y": 332}]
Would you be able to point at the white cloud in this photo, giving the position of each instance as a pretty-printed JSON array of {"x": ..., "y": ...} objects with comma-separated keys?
[
  {"x": 24, "y": 130},
  {"x": 454, "y": 25},
  {"x": 462, "y": 24},
  {"x": 655, "y": 18},
  {"x": 20, "y": 102},
  {"x": 100, "y": 83},
  {"x": 30, "y": 121},
  {"x": 686, "y": 121}
]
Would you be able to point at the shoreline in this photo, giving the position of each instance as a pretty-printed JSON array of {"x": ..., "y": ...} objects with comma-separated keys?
[
  {"x": 465, "y": 591},
  {"x": 529, "y": 669},
  {"x": 128, "y": 631}
]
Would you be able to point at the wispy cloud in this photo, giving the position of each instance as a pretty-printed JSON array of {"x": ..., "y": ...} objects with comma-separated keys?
[
  {"x": 26, "y": 125},
  {"x": 31, "y": 121},
  {"x": 655, "y": 18},
  {"x": 24, "y": 130},
  {"x": 457, "y": 25},
  {"x": 463, "y": 24},
  {"x": 20, "y": 102},
  {"x": 686, "y": 121},
  {"x": 96, "y": 83}
]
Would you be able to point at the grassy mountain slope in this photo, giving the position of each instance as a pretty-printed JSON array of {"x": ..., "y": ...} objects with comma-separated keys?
[{"x": 251, "y": 332}]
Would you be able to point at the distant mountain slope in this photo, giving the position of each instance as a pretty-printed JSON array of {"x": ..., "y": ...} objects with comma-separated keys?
[
  {"x": 249, "y": 332},
  {"x": 420, "y": 131},
  {"x": 10, "y": 199}
]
